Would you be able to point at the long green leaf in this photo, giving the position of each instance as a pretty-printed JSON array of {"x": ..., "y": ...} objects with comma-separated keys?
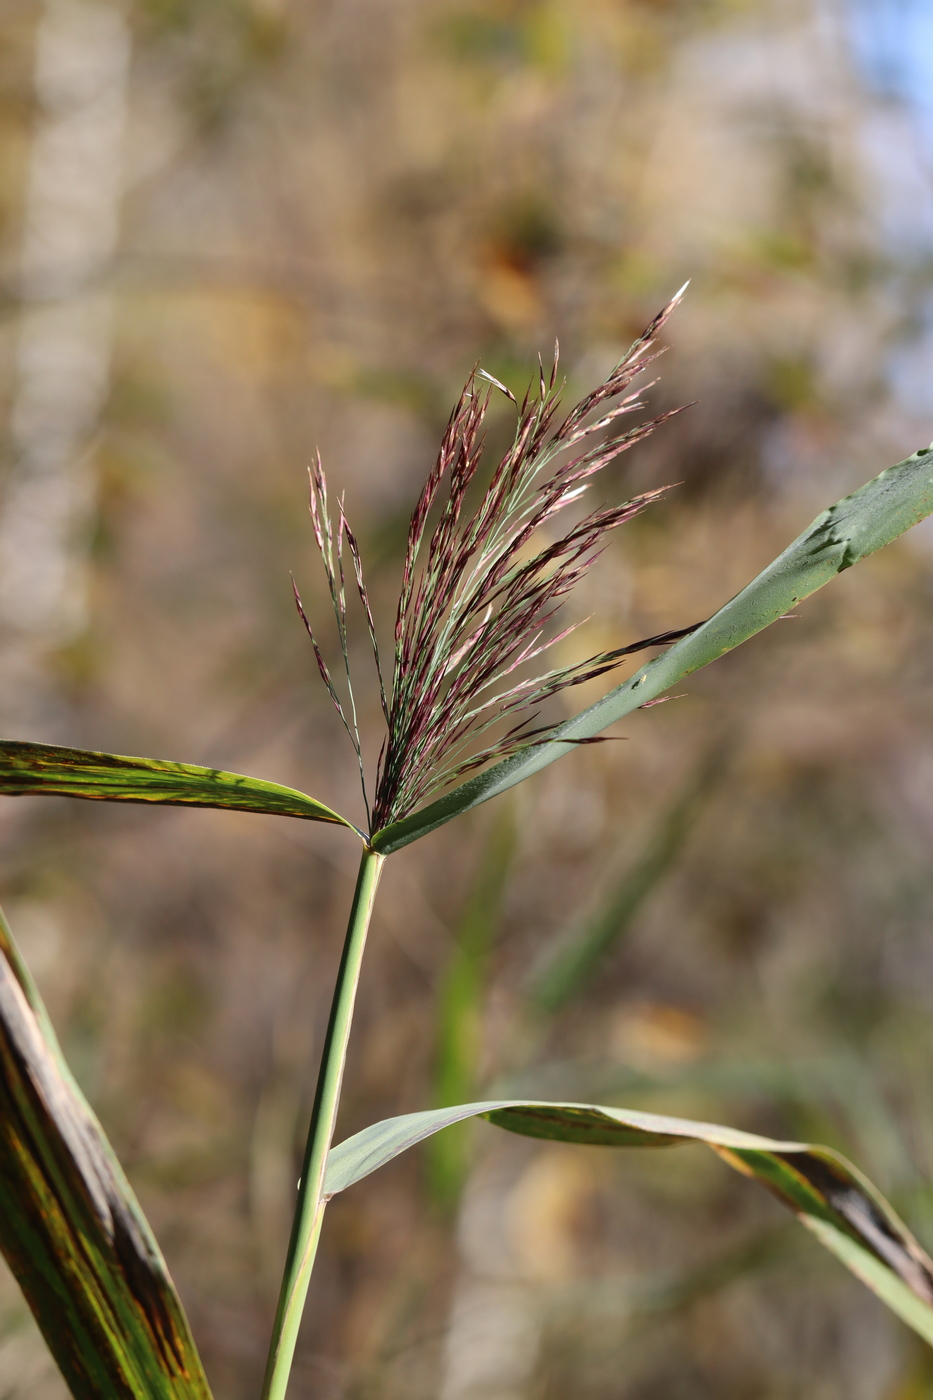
[
  {"x": 45, "y": 770},
  {"x": 71, "y": 1228},
  {"x": 849, "y": 531},
  {"x": 827, "y": 1194}
]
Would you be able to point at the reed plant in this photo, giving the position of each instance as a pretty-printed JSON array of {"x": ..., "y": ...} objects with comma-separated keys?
[{"x": 490, "y": 558}]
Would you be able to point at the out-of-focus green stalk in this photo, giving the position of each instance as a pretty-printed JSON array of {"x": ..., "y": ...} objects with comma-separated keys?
[
  {"x": 460, "y": 1008},
  {"x": 309, "y": 1211}
]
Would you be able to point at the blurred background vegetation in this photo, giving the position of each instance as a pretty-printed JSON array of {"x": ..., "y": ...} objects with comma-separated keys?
[{"x": 234, "y": 230}]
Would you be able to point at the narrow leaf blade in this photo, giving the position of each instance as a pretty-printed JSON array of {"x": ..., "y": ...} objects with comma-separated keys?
[
  {"x": 576, "y": 954},
  {"x": 847, "y": 532},
  {"x": 71, "y": 1228},
  {"x": 460, "y": 1000},
  {"x": 46, "y": 770},
  {"x": 826, "y": 1193}
]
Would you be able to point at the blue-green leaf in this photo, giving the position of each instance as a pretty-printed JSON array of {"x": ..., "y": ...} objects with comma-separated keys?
[{"x": 849, "y": 531}]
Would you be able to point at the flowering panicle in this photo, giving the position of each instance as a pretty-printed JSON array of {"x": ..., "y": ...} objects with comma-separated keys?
[{"x": 476, "y": 599}]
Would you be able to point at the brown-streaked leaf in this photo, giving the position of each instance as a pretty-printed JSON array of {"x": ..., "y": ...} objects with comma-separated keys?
[
  {"x": 825, "y": 1191},
  {"x": 71, "y": 1228},
  {"x": 46, "y": 770}
]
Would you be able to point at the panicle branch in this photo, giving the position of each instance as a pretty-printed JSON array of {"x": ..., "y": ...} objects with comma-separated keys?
[{"x": 330, "y": 544}]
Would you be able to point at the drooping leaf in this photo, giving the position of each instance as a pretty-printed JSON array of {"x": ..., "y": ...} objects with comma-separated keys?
[
  {"x": 849, "y": 531},
  {"x": 827, "y": 1194},
  {"x": 49, "y": 771},
  {"x": 71, "y": 1228}
]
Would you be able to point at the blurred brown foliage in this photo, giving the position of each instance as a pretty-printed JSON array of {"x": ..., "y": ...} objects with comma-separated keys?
[{"x": 331, "y": 211}]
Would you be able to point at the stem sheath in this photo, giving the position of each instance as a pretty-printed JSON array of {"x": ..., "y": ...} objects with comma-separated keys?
[{"x": 309, "y": 1211}]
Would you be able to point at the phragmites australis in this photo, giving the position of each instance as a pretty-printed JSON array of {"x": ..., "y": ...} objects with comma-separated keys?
[{"x": 477, "y": 599}]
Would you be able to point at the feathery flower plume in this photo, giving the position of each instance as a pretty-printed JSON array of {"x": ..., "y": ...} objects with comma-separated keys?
[{"x": 476, "y": 599}]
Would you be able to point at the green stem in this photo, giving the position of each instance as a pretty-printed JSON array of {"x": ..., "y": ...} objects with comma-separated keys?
[{"x": 309, "y": 1211}]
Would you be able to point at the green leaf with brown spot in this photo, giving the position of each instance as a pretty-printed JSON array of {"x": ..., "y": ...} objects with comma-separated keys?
[
  {"x": 71, "y": 1228},
  {"x": 826, "y": 1193}
]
